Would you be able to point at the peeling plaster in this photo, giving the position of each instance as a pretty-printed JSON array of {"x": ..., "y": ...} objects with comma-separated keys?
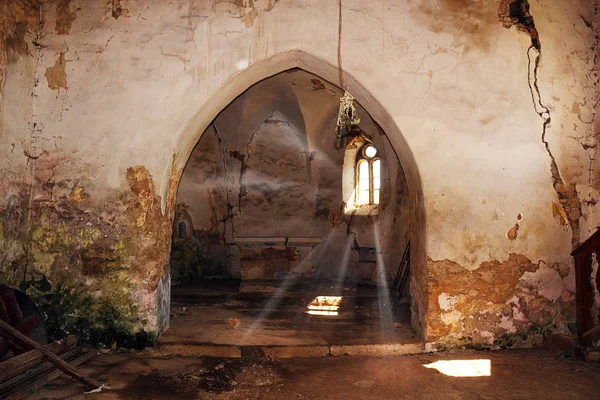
[
  {"x": 56, "y": 74},
  {"x": 65, "y": 16},
  {"x": 17, "y": 19},
  {"x": 516, "y": 13},
  {"x": 545, "y": 280},
  {"x": 447, "y": 302},
  {"x": 249, "y": 10},
  {"x": 119, "y": 9},
  {"x": 497, "y": 300},
  {"x": 513, "y": 232},
  {"x": 507, "y": 324}
]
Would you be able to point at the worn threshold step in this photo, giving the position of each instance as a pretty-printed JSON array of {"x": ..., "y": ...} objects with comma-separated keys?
[{"x": 288, "y": 351}]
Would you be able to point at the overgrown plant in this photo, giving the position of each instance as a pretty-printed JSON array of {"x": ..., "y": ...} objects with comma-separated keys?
[{"x": 72, "y": 311}]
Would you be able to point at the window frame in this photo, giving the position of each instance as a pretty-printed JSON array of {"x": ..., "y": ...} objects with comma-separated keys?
[{"x": 362, "y": 158}]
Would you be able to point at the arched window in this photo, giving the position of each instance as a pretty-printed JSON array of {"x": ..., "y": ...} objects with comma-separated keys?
[
  {"x": 368, "y": 176},
  {"x": 182, "y": 230}
]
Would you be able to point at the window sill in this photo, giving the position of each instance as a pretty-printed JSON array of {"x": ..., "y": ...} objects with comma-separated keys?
[{"x": 369, "y": 209}]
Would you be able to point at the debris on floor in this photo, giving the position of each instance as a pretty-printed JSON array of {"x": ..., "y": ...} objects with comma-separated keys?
[
  {"x": 177, "y": 312},
  {"x": 235, "y": 304},
  {"x": 234, "y": 322},
  {"x": 29, "y": 372},
  {"x": 28, "y": 363},
  {"x": 216, "y": 376}
]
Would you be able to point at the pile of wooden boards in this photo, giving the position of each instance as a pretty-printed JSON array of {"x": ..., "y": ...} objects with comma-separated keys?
[{"x": 26, "y": 373}]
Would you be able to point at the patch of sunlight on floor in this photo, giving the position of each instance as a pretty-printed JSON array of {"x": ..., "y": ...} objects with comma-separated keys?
[
  {"x": 317, "y": 312},
  {"x": 324, "y": 305},
  {"x": 462, "y": 368}
]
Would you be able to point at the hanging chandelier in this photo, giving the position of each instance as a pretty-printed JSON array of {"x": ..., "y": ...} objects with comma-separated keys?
[{"x": 347, "y": 119}]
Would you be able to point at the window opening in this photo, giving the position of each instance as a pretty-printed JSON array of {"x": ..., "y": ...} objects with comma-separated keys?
[
  {"x": 370, "y": 151},
  {"x": 376, "y": 180},
  {"x": 182, "y": 230},
  {"x": 364, "y": 183},
  {"x": 368, "y": 179}
]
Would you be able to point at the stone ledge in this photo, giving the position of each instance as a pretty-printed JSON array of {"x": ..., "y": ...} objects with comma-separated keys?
[
  {"x": 294, "y": 351},
  {"x": 377, "y": 349}
]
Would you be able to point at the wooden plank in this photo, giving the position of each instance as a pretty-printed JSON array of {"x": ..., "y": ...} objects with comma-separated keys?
[
  {"x": 35, "y": 386},
  {"x": 19, "y": 339},
  {"x": 584, "y": 294},
  {"x": 597, "y": 252},
  {"x": 588, "y": 246},
  {"x": 33, "y": 373},
  {"x": 25, "y": 361}
]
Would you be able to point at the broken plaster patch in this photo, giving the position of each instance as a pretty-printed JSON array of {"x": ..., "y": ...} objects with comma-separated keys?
[
  {"x": 65, "y": 17},
  {"x": 248, "y": 10},
  {"x": 517, "y": 313},
  {"x": 118, "y": 9},
  {"x": 56, "y": 75},
  {"x": 507, "y": 324},
  {"x": 487, "y": 336},
  {"x": 516, "y": 13},
  {"x": 447, "y": 302},
  {"x": 546, "y": 281},
  {"x": 451, "y": 318},
  {"x": 513, "y": 232}
]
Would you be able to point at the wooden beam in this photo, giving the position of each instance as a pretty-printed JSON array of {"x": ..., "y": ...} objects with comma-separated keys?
[
  {"x": 597, "y": 280},
  {"x": 584, "y": 294},
  {"x": 18, "y": 364},
  {"x": 40, "y": 370},
  {"x": 19, "y": 339},
  {"x": 588, "y": 246},
  {"x": 41, "y": 381}
]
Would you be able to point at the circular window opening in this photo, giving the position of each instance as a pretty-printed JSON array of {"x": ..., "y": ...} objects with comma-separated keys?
[{"x": 370, "y": 151}]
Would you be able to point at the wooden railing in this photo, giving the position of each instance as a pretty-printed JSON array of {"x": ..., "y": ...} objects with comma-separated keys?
[
  {"x": 587, "y": 331},
  {"x": 401, "y": 279}
]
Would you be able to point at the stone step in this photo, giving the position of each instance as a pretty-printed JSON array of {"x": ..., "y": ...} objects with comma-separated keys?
[{"x": 286, "y": 351}]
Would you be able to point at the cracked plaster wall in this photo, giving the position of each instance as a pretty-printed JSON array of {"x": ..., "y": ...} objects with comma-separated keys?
[
  {"x": 141, "y": 80},
  {"x": 267, "y": 167},
  {"x": 19, "y": 25}
]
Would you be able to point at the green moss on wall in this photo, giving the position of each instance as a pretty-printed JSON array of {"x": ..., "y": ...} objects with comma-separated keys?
[{"x": 69, "y": 310}]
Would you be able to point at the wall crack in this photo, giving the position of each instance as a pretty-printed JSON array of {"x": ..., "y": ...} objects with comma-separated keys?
[
  {"x": 229, "y": 216},
  {"x": 567, "y": 193}
]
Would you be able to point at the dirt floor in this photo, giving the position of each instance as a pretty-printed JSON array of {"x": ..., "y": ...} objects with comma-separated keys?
[{"x": 515, "y": 374}]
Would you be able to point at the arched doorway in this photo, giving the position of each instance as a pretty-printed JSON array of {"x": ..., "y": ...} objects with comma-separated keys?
[{"x": 287, "y": 61}]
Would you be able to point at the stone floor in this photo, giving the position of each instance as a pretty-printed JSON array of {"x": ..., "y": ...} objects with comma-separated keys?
[
  {"x": 250, "y": 334},
  {"x": 217, "y": 319},
  {"x": 515, "y": 374}
]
